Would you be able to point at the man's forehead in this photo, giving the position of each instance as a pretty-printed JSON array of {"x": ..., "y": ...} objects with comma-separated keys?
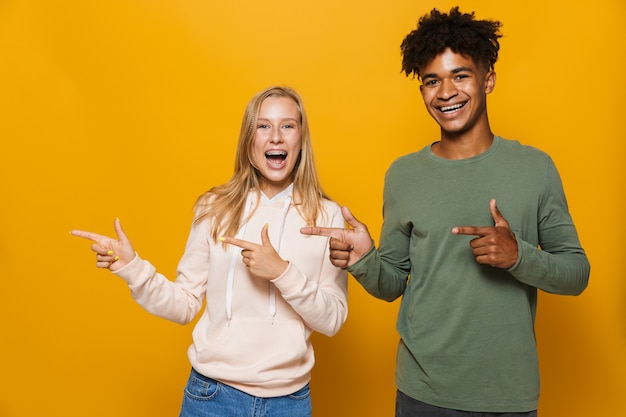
[{"x": 450, "y": 62}]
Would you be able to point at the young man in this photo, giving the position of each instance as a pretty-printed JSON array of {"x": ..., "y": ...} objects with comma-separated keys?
[{"x": 473, "y": 225}]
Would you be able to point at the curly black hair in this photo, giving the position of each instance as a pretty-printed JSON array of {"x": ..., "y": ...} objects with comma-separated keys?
[{"x": 477, "y": 39}]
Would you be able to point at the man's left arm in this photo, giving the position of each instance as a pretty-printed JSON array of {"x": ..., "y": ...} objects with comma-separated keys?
[{"x": 559, "y": 265}]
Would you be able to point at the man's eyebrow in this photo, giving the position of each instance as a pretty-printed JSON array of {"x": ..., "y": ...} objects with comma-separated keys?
[
  {"x": 462, "y": 69},
  {"x": 454, "y": 71}
]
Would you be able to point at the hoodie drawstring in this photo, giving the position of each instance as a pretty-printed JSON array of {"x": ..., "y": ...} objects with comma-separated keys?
[
  {"x": 231, "y": 270},
  {"x": 237, "y": 254},
  {"x": 280, "y": 238}
]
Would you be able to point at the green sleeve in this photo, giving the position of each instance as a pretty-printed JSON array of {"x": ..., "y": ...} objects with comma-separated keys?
[
  {"x": 559, "y": 265},
  {"x": 384, "y": 272}
]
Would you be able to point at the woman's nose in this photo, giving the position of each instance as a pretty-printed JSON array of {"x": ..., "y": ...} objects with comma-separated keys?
[{"x": 276, "y": 137}]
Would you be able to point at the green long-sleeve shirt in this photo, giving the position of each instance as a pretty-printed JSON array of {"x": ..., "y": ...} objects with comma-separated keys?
[{"x": 467, "y": 330}]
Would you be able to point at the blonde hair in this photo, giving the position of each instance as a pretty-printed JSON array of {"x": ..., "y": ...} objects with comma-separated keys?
[{"x": 225, "y": 203}]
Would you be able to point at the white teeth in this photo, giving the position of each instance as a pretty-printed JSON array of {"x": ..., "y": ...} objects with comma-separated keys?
[
  {"x": 276, "y": 153},
  {"x": 452, "y": 108}
]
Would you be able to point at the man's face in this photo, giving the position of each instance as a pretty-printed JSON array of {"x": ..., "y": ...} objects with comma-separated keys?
[{"x": 455, "y": 89}]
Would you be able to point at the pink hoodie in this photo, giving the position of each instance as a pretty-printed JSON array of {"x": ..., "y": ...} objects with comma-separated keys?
[{"x": 253, "y": 335}]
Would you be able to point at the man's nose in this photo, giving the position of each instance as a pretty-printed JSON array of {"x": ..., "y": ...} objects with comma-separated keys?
[{"x": 448, "y": 89}]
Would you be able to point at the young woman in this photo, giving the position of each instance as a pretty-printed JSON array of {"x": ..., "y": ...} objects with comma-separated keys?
[{"x": 267, "y": 287}]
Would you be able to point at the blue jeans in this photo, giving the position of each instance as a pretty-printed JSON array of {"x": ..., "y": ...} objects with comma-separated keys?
[
  {"x": 410, "y": 407},
  {"x": 205, "y": 397}
]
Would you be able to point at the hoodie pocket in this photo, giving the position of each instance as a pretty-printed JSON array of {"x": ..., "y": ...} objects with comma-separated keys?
[{"x": 255, "y": 350}]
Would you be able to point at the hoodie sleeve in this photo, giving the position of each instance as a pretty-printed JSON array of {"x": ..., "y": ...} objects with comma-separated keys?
[
  {"x": 321, "y": 301},
  {"x": 179, "y": 300}
]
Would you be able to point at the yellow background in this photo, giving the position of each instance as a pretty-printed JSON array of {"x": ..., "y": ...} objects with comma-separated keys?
[{"x": 131, "y": 108}]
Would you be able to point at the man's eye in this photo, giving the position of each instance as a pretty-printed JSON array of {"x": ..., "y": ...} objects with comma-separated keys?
[{"x": 430, "y": 82}]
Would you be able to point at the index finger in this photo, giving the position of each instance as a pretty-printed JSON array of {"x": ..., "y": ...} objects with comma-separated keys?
[
  {"x": 88, "y": 235},
  {"x": 322, "y": 231},
  {"x": 471, "y": 230},
  {"x": 243, "y": 244}
]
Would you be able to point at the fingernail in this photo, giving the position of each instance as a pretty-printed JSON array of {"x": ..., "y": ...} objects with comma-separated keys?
[
  {"x": 267, "y": 226},
  {"x": 222, "y": 238},
  {"x": 110, "y": 252},
  {"x": 117, "y": 257}
]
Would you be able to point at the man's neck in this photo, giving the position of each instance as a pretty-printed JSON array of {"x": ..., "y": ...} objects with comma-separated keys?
[{"x": 462, "y": 146}]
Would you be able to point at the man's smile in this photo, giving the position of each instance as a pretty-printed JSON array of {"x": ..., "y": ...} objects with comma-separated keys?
[{"x": 452, "y": 108}]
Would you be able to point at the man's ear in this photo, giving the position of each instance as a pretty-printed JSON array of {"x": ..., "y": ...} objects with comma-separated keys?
[{"x": 490, "y": 81}]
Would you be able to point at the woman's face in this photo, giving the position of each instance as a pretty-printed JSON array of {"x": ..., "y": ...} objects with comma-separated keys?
[{"x": 277, "y": 143}]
